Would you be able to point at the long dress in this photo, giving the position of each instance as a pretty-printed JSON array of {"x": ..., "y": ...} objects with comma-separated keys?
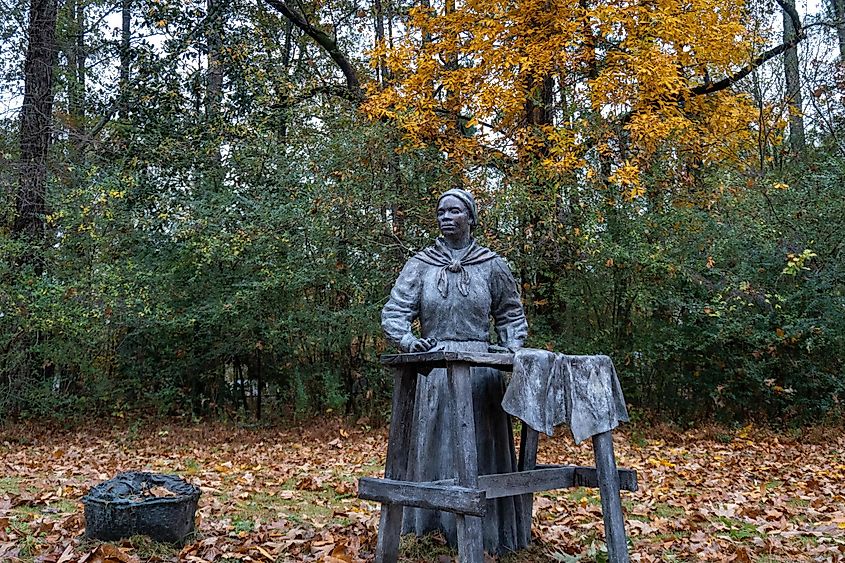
[{"x": 454, "y": 294}]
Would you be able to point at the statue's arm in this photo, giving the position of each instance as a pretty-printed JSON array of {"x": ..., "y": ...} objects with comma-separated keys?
[
  {"x": 507, "y": 311},
  {"x": 403, "y": 307}
]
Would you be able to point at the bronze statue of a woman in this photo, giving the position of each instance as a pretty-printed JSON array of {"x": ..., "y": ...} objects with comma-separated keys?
[{"x": 454, "y": 288}]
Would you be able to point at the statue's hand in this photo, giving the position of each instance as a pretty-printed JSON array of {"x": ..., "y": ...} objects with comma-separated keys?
[{"x": 423, "y": 345}]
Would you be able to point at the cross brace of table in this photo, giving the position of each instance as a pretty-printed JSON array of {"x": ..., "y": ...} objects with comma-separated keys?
[
  {"x": 466, "y": 495},
  {"x": 449, "y": 496}
]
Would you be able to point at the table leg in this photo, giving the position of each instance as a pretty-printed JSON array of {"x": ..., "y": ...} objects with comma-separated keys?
[
  {"x": 528, "y": 442},
  {"x": 396, "y": 467},
  {"x": 470, "y": 532},
  {"x": 611, "y": 502}
]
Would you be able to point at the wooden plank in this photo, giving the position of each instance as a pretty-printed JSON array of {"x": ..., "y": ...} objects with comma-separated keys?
[
  {"x": 470, "y": 533},
  {"x": 545, "y": 478},
  {"x": 611, "y": 503},
  {"x": 528, "y": 443},
  {"x": 389, "y": 532},
  {"x": 450, "y": 498},
  {"x": 525, "y": 482},
  {"x": 441, "y": 358},
  {"x": 587, "y": 477},
  {"x": 396, "y": 467},
  {"x": 401, "y": 422}
]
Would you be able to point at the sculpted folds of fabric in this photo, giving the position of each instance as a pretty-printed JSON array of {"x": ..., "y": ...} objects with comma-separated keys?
[{"x": 454, "y": 294}]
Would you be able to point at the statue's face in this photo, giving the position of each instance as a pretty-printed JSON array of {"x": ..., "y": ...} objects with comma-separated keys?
[{"x": 453, "y": 217}]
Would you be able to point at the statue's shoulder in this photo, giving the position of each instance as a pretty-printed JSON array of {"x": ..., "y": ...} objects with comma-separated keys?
[
  {"x": 501, "y": 265},
  {"x": 431, "y": 255},
  {"x": 481, "y": 254}
]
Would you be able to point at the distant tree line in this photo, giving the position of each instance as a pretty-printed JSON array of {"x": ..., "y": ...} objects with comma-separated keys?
[{"x": 205, "y": 203}]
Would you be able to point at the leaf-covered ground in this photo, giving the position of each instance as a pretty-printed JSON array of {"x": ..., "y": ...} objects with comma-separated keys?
[{"x": 273, "y": 494}]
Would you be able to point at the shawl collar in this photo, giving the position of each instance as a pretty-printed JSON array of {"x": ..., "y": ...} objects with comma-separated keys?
[{"x": 441, "y": 256}]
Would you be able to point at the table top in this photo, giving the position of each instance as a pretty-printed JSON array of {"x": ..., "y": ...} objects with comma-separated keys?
[{"x": 440, "y": 358}]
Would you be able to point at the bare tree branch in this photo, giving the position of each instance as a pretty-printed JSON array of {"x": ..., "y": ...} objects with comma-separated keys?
[
  {"x": 760, "y": 60},
  {"x": 327, "y": 89},
  {"x": 755, "y": 63},
  {"x": 792, "y": 13},
  {"x": 326, "y": 42}
]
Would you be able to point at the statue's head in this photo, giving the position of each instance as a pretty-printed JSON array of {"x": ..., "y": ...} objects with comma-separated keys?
[{"x": 457, "y": 213}]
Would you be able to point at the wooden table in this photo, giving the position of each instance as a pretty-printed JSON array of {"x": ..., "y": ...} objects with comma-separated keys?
[{"x": 466, "y": 495}]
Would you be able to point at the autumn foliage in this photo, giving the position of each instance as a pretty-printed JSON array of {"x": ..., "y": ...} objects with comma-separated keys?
[
  {"x": 289, "y": 495},
  {"x": 565, "y": 80}
]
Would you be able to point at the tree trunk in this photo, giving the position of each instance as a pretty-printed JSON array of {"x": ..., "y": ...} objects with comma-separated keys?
[
  {"x": 36, "y": 117},
  {"x": 214, "y": 91},
  {"x": 797, "y": 139},
  {"x": 259, "y": 384},
  {"x": 215, "y": 69},
  {"x": 74, "y": 48},
  {"x": 125, "y": 37},
  {"x": 287, "y": 55},
  {"x": 379, "y": 30},
  {"x": 839, "y": 14}
]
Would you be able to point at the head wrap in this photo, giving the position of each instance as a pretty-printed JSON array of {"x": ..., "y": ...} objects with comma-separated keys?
[{"x": 467, "y": 199}]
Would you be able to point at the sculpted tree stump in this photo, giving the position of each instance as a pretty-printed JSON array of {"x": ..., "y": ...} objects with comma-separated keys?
[{"x": 139, "y": 503}]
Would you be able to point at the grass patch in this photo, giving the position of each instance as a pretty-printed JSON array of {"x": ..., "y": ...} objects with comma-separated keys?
[
  {"x": 302, "y": 506},
  {"x": 26, "y": 512},
  {"x": 192, "y": 467},
  {"x": 148, "y": 549},
  {"x": 243, "y": 524},
  {"x": 62, "y": 506},
  {"x": 578, "y": 494},
  {"x": 425, "y": 548},
  {"x": 739, "y": 530},
  {"x": 10, "y": 485},
  {"x": 664, "y": 510}
]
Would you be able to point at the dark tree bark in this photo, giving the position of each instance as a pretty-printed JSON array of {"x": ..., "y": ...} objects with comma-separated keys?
[
  {"x": 214, "y": 91},
  {"x": 839, "y": 15},
  {"x": 792, "y": 75},
  {"x": 327, "y": 42},
  {"x": 36, "y": 117},
  {"x": 259, "y": 384},
  {"x": 379, "y": 29},
  {"x": 76, "y": 54},
  {"x": 125, "y": 55},
  {"x": 215, "y": 68}
]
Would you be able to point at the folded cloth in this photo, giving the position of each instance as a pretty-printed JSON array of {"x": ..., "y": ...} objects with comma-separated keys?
[{"x": 549, "y": 389}]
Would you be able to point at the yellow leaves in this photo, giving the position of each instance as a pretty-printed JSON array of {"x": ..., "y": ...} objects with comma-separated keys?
[
  {"x": 637, "y": 59},
  {"x": 780, "y": 186},
  {"x": 796, "y": 262},
  {"x": 659, "y": 462},
  {"x": 627, "y": 177}
]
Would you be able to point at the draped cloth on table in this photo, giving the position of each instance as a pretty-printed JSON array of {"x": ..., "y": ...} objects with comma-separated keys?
[{"x": 549, "y": 389}]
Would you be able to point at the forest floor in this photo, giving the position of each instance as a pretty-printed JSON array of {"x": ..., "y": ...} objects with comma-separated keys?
[{"x": 288, "y": 494}]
